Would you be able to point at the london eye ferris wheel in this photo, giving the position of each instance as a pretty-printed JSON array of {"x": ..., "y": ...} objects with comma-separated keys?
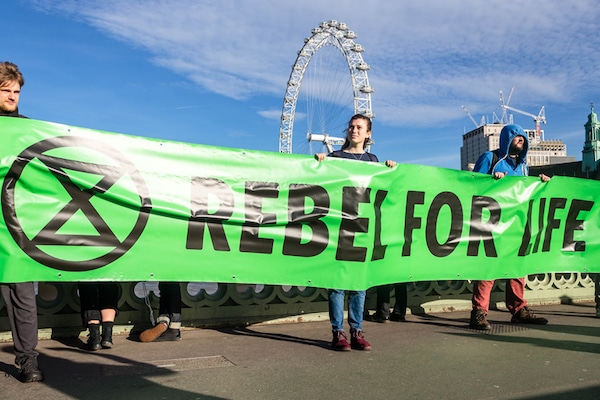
[{"x": 327, "y": 85}]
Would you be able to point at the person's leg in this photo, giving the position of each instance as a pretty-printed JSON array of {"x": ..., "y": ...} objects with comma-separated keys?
[
  {"x": 401, "y": 293},
  {"x": 170, "y": 304},
  {"x": 168, "y": 323},
  {"x": 382, "y": 313},
  {"x": 482, "y": 290},
  {"x": 515, "y": 295},
  {"x": 108, "y": 300},
  {"x": 517, "y": 305},
  {"x": 335, "y": 300},
  {"x": 89, "y": 303},
  {"x": 356, "y": 305},
  {"x": 336, "y": 309},
  {"x": 21, "y": 309},
  {"x": 109, "y": 308},
  {"x": 90, "y": 313}
]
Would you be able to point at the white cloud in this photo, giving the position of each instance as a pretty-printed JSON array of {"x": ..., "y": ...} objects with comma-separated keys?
[{"x": 427, "y": 57}]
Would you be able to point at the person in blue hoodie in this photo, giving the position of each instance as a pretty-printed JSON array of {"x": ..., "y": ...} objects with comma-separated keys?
[{"x": 509, "y": 159}]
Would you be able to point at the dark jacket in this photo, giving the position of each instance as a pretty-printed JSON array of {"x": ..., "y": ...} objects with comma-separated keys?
[
  {"x": 11, "y": 114},
  {"x": 366, "y": 156}
]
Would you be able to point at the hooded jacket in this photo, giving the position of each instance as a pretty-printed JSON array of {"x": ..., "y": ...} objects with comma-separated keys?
[{"x": 510, "y": 166}]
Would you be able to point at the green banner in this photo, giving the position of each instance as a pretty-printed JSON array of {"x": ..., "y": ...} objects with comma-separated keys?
[{"x": 81, "y": 204}]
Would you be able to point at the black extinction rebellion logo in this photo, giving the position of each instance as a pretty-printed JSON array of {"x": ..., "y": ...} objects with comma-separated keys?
[{"x": 74, "y": 203}]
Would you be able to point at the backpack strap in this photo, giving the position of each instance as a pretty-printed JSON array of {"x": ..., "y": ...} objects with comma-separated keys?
[{"x": 494, "y": 160}]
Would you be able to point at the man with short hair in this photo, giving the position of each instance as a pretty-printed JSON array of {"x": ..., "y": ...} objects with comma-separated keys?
[
  {"x": 19, "y": 297},
  {"x": 509, "y": 159}
]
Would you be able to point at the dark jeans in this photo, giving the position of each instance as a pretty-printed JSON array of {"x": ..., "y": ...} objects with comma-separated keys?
[
  {"x": 383, "y": 299},
  {"x": 169, "y": 308}
]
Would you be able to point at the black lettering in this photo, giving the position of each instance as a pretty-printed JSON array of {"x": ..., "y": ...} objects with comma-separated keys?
[
  {"x": 541, "y": 224},
  {"x": 482, "y": 231},
  {"x": 378, "y": 248},
  {"x": 351, "y": 224},
  {"x": 573, "y": 224},
  {"x": 254, "y": 193},
  {"x": 456, "y": 214},
  {"x": 201, "y": 218},
  {"x": 526, "y": 239},
  {"x": 410, "y": 221},
  {"x": 553, "y": 223},
  {"x": 299, "y": 218}
]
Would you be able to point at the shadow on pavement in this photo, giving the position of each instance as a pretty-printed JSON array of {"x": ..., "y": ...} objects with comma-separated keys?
[
  {"x": 111, "y": 377},
  {"x": 274, "y": 336}
]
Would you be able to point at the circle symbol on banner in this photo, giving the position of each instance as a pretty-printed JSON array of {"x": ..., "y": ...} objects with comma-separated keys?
[{"x": 74, "y": 203}]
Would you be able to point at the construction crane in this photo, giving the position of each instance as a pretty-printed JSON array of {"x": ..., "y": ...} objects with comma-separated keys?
[
  {"x": 539, "y": 119},
  {"x": 473, "y": 119},
  {"x": 506, "y": 119}
]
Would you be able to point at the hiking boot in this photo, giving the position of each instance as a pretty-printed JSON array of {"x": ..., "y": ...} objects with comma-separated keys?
[
  {"x": 29, "y": 371},
  {"x": 107, "y": 328},
  {"x": 340, "y": 341},
  {"x": 150, "y": 335},
  {"x": 379, "y": 317},
  {"x": 93, "y": 342},
  {"x": 358, "y": 342},
  {"x": 478, "y": 320},
  {"x": 170, "y": 335},
  {"x": 526, "y": 316}
]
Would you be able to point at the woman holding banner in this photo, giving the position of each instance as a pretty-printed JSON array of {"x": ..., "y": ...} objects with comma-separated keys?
[{"x": 358, "y": 137}]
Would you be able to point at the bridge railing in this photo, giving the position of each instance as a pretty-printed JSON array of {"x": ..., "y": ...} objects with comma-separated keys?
[{"x": 212, "y": 304}]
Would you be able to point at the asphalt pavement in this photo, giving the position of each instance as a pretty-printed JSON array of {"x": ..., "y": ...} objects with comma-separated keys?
[{"x": 431, "y": 356}]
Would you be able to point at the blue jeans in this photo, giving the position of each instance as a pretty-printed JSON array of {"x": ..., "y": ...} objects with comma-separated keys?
[{"x": 356, "y": 307}]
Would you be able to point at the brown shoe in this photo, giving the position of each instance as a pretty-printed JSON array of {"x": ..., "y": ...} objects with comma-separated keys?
[
  {"x": 150, "y": 335},
  {"x": 478, "y": 320},
  {"x": 526, "y": 316}
]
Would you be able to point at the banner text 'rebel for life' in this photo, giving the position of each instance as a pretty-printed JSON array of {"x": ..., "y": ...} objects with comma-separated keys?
[{"x": 81, "y": 204}]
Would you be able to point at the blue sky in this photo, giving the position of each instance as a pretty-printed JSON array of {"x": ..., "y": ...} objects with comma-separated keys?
[{"x": 215, "y": 72}]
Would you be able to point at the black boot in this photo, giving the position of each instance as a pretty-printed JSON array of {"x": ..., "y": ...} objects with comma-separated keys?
[
  {"x": 29, "y": 370},
  {"x": 107, "y": 328},
  {"x": 93, "y": 342}
]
